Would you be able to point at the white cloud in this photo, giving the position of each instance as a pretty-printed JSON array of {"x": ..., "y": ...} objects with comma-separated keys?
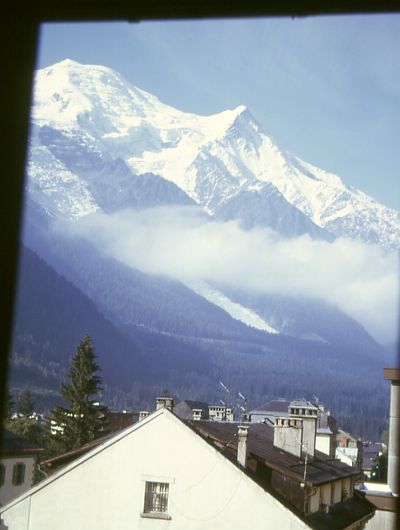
[{"x": 181, "y": 243}]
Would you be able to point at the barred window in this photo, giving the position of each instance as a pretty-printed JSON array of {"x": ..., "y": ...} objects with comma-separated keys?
[
  {"x": 18, "y": 474},
  {"x": 156, "y": 497}
]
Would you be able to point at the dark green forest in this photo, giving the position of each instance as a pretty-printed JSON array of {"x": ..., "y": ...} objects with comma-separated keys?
[{"x": 138, "y": 362}]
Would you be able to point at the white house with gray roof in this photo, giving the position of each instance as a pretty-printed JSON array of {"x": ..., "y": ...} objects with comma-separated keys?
[{"x": 164, "y": 472}]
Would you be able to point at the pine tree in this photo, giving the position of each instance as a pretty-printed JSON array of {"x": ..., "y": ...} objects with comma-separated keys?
[
  {"x": 9, "y": 406},
  {"x": 25, "y": 424},
  {"x": 84, "y": 419},
  {"x": 25, "y": 403}
]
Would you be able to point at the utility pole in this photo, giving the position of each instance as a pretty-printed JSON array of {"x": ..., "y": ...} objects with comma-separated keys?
[{"x": 303, "y": 485}]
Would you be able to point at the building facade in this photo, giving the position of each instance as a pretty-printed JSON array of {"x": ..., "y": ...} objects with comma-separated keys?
[
  {"x": 164, "y": 472},
  {"x": 18, "y": 466}
]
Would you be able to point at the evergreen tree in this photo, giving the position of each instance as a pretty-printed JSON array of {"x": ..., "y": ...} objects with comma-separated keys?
[
  {"x": 25, "y": 424},
  {"x": 84, "y": 418},
  {"x": 25, "y": 403},
  {"x": 9, "y": 406}
]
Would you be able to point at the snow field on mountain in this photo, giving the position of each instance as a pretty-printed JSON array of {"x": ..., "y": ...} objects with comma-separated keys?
[
  {"x": 237, "y": 311},
  {"x": 210, "y": 157},
  {"x": 93, "y": 110}
]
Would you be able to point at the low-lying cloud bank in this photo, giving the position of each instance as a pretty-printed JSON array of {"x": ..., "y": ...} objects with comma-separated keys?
[{"x": 181, "y": 243}]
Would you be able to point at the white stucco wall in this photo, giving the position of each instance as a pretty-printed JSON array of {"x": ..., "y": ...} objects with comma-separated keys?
[
  {"x": 343, "y": 456},
  {"x": 323, "y": 443},
  {"x": 105, "y": 489},
  {"x": 337, "y": 492},
  {"x": 326, "y": 494},
  {"x": 382, "y": 521},
  {"x": 9, "y": 490}
]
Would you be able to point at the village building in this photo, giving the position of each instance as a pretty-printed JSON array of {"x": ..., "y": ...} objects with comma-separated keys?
[
  {"x": 326, "y": 423},
  {"x": 385, "y": 497},
  {"x": 116, "y": 420},
  {"x": 192, "y": 410},
  {"x": 172, "y": 473},
  {"x": 371, "y": 451},
  {"x": 349, "y": 449},
  {"x": 18, "y": 466},
  {"x": 270, "y": 410}
]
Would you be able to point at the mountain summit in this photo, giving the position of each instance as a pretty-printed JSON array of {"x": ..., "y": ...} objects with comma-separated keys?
[
  {"x": 212, "y": 254},
  {"x": 215, "y": 160}
]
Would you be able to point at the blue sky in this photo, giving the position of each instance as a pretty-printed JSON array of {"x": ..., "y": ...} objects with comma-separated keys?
[{"x": 326, "y": 89}]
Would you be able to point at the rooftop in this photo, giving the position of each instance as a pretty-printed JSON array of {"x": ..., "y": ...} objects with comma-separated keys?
[
  {"x": 13, "y": 444},
  {"x": 260, "y": 446},
  {"x": 275, "y": 405},
  {"x": 269, "y": 459}
]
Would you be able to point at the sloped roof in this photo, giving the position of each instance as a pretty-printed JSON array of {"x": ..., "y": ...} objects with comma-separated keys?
[
  {"x": 321, "y": 470},
  {"x": 341, "y": 515},
  {"x": 55, "y": 462},
  {"x": 223, "y": 437},
  {"x": 12, "y": 444},
  {"x": 184, "y": 409},
  {"x": 260, "y": 445},
  {"x": 275, "y": 405}
]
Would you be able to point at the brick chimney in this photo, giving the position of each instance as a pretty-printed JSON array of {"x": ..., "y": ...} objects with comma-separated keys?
[{"x": 242, "y": 444}]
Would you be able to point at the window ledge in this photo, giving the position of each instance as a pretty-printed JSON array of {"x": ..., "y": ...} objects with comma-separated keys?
[{"x": 155, "y": 515}]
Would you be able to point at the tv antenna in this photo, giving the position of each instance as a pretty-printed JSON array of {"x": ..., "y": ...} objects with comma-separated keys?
[
  {"x": 243, "y": 407},
  {"x": 226, "y": 390}
]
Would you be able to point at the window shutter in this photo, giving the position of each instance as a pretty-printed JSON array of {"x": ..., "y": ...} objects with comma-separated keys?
[{"x": 18, "y": 474}]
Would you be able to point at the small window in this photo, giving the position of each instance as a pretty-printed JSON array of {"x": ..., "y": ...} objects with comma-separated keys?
[
  {"x": 18, "y": 474},
  {"x": 156, "y": 499},
  {"x": 2, "y": 474}
]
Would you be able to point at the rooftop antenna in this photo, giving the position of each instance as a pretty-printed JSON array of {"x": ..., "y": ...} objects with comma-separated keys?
[
  {"x": 226, "y": 389},
  {"x": 244, "y": 407}
]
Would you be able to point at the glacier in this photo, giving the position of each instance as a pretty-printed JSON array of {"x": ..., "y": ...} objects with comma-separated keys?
[
  {"x": 211, "y": 158},
  {"x": 100, "y": 144}
]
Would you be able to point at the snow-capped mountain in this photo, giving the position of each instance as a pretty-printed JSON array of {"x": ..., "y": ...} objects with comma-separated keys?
[
  {"x": 94, "y": 134},
  {"x": 180, "y": 258}
]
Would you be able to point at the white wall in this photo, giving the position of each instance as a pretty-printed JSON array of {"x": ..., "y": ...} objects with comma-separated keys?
[
  {"x": 105, "y": 490},
  {"x": 382, "y": 521},
  {"x": 327, "y": 494},
  {"x": 343, "y": 457},
  {"x": 323, "y": 443},
  {"x": 10, "y": 491}
]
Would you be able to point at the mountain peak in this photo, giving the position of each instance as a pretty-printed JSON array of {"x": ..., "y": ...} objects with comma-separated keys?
[
  {"x": 241, "y": 109},
  {"x": 68, "y": 62},
  {"x": 209, "y": 157},
  {"x": 71, "y": 63}
]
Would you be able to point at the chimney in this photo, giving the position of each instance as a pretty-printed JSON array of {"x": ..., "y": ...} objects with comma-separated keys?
[
  {"x": 288, "y": 435},
  {"x": 197, "y": 414},
  {"x": 165, "y": 402},
  {"x": 143, "y": 414},
  {"x": 308, "y": 413},
  {"x": 393, "y": 375},
  {"x": 296, "y": 434},
  {"x": 242, "y": 444}
]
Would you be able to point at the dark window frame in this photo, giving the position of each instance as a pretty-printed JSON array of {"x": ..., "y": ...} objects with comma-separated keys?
[
  {"x": 19, "y": 473},
  {"x": 3, "y": 470}
]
